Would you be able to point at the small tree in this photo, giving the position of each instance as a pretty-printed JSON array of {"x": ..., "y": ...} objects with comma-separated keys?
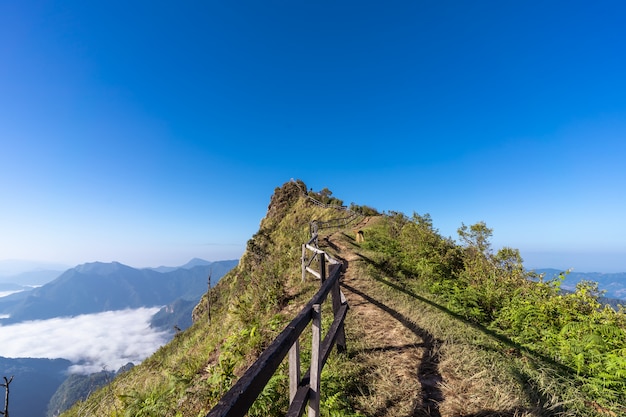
[
  {"x": 7, "y": 381},
  {"x": 477, "y": 237}
]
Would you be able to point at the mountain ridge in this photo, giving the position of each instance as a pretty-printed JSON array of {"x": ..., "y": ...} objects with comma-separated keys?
[
  {"x": 98, "y": 286},
  {"x": 463, "y": 316}
]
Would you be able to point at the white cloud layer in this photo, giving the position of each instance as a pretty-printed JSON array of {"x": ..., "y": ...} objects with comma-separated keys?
[
  {"x": 5, "y": 293},
  {"x": 91, "y": 341}
]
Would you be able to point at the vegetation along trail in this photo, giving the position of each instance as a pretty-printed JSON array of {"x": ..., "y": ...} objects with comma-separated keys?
[{"x": 413, "y": 359}]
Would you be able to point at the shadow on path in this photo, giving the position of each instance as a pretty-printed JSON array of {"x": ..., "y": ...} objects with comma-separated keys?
[
  {"x": 565, "y": 370},
  {"x": 428, "y": 373},
  {"x": 533, "y": 394}
]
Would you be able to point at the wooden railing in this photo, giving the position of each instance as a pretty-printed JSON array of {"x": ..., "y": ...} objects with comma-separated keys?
[
  {"x": 302, "y": 389},
  {"x": 317, "y": 225},
  {"x": 324, "y": 205}
]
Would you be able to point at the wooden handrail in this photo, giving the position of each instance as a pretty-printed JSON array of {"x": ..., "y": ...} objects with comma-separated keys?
[
  {"x": 238, "y": 400},
  {"x": 299, "y": 401},
  {"x": 242, "y": 395},
  {"x": 317, "y": 225},
  {"x": 318, "y": 251}
]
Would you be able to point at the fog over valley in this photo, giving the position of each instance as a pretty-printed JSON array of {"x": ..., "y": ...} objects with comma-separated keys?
[{"x": 92, "y": 342}]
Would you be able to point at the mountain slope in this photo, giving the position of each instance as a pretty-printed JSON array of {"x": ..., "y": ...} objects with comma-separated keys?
[{"x": 412, "y": 350}]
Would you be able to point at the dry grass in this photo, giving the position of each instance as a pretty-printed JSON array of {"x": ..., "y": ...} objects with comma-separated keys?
[{"x": 387, "y": 366}]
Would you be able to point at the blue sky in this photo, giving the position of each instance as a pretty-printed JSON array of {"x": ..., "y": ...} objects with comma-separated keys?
[{"x": 153, "y": 132}]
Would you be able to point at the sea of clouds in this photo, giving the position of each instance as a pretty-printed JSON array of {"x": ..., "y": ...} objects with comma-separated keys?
[
  {"x": 92, "y": 342},
  {"x": 5, "y": 293}
]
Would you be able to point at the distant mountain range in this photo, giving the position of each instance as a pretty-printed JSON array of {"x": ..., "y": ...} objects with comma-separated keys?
[
  {"x": 614, "y": 284},
  {"x": 30, "y": 272},
  {"x": 37, "y": 277},
  {"x": 97, "y": 287}
]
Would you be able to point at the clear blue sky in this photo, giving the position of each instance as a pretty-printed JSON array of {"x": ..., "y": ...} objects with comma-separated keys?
[{"x": 151, "y": 132}]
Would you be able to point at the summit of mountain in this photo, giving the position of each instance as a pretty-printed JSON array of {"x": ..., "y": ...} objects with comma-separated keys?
[
  {"x": 193, "y": 262},
  {"x": 102, "y": 268}
]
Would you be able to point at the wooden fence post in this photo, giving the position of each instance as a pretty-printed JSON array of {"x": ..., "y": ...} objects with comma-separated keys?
[
  {"x": 337, "y": 301},
  {"x": 294, "y": 369},
  {"x": 239, "y": 398},
  {"x": 314, "y": 384}
]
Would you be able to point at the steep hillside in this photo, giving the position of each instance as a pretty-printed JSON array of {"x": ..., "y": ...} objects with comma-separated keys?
[{"x": 431, "y": 329}]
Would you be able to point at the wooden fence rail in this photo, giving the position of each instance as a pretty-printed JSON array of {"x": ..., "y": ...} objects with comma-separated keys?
[
  {"x": 324, "y": 205},
  {"x": 333, "y": 223},
  {"x": 302, "y": 389}
]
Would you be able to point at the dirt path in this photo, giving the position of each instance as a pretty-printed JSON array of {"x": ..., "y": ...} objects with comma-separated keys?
[{"x": 400, "y": 357}]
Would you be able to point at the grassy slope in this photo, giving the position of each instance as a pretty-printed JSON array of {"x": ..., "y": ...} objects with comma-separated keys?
[
  {"x": 466, "y": 368},
  {"x": 250, "y": 306}
]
